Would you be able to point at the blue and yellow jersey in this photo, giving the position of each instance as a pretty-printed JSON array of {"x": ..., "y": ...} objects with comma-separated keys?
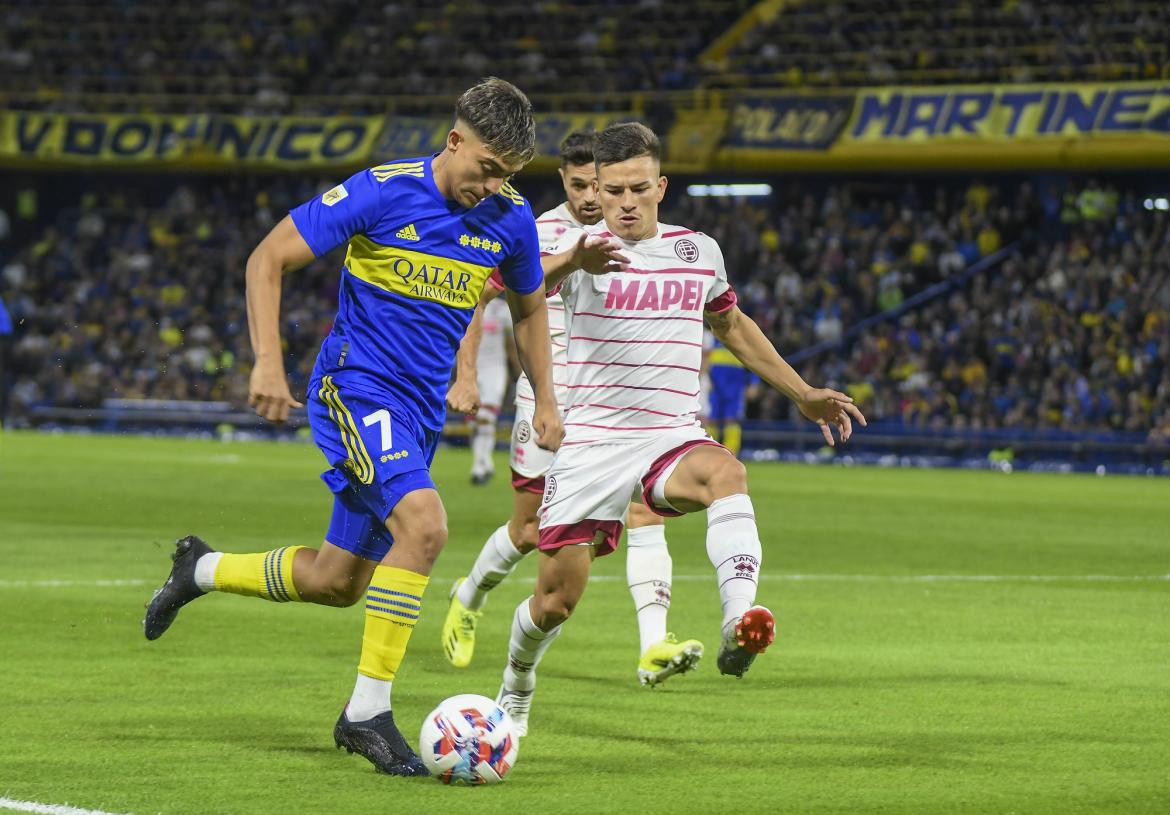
[
  {"x": 415, "y": 266},
  {"x": 726, "y": 371}
]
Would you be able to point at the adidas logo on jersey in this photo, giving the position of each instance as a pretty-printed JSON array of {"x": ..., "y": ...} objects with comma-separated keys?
[{"x": 407, "y": 233}]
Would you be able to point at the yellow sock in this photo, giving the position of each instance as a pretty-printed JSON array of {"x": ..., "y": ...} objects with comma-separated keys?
[
  {"x": 392, "y": 607},
  {"x": 261, "y": 574},
  {"x": 733, "y": 437}
]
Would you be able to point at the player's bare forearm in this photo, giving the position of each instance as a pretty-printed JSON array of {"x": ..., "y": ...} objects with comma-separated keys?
[
  {"x": 468, "y": 351},
  {"x": 533, "y": 346},
  {"x": 281, "y": 251},
  {"x": 828, "y": 408},
  {"x": 557, "y": 267},
  {"x": 740, "y": 335}
]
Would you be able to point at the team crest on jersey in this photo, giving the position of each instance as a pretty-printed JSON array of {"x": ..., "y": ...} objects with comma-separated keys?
[
  {"x": 550, "y": 488},
  {"x": 686, "y": 250},
  {"x": 523, "y": 431},
  {"x": 336, "y": 194}
]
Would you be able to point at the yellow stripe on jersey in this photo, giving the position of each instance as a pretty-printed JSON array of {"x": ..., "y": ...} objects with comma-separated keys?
[
  {"x": 386, "y": 176},
  {"x": 397, "y": 165},
  {"x": 359, "y": 458},
  {"x": 510, "y": 192},
  {"x": 455, "y": 283}
]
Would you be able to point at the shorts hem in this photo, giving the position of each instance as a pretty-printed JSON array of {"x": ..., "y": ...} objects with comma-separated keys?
[
  {"x": 660, "y": 465},
  {"x": 527, "y": 483},
  {"x": 555, "y": 537}
]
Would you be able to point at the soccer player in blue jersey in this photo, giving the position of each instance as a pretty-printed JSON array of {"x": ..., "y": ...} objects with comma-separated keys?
[
  {"x": 731, "y": 383},
  {"x": 422, "y": 236}
]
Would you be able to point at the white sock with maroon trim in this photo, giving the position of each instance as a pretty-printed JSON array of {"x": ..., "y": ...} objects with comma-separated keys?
[
  {"x": 496, "y": 560},
  {"x": 525, "y": 649},
  {"x": 733, "y": 545},
  {"x": 648, "y": 572}
]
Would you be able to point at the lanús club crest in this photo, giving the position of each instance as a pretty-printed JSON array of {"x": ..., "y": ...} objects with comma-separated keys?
[
  {"x": 686, "y": 250},
  {"x": 523, "y": 431}
]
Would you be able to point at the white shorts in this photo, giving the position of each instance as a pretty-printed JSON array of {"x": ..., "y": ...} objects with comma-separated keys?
[
  {"x": 529, "y": 461},
  {"x": 492, "y": 382},
  {"x": 589, "y": 487}
]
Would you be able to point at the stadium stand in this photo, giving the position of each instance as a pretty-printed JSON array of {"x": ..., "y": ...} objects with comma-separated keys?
[
  {"x": 333, "y": 55},
  {"x": 943, "y": 303},
  {"x": 858, "y": 42}
]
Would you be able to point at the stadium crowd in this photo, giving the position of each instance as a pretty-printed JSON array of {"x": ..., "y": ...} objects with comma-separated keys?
[
  {"x": 270, "y": 56},
  {"x": 860, "y": 42},
  {"x": 345, "y": 56},
  {"x": 139, "y": 294}
]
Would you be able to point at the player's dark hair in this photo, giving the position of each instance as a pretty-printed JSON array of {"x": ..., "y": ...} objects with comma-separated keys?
[
  {"x": 625, "y": 140},
  {"x": 577, "y": 148},
  {"x": 501, "y": 115}
]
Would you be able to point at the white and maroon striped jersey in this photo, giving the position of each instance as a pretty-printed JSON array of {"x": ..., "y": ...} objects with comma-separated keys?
[
  {"x": 636, "y": 337},
  {"x": 550, "y": 227},
  {"x": 493, "y": 348}
]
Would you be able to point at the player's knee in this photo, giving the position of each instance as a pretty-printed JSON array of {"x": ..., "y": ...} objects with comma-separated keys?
[
  {"x": 339, "y": 590},
  {"x": 432, "y": 537},
  {"x": 729, "y": 477},
  {"x": 524, "y": 533},
  {"x": 554, "y": 608},
  {"x": 529, "y": 535}
]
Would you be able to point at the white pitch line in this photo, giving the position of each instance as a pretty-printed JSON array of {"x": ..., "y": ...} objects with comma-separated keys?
[
  {"x": 68, "y": 584},
  {"x": 48, "y": 809},
  {"x": 782, "y": 578}
]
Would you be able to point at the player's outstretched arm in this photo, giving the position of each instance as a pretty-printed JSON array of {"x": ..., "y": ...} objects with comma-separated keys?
[
  {"x": 463, "y": 395},
  {"x": 283, "y": 250},
  {"x": 530, "y": 326},
  {"x": 591, "y": 253},
  {"x": 828, "y": 408}
]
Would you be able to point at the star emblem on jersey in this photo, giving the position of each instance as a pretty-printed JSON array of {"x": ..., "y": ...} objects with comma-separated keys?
[
  {"x": 686, "y": 250},
  {"x": 407, "y": 233},
  {"x": 480, "y": 242}
]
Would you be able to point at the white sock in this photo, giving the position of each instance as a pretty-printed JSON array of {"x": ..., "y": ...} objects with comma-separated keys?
[
  {"x": 205, "y": 570},
  {"x": 648, "y": 571},
  {"x": 370, "y": 697},
  {"x": 496, "y": 560},
  {"x": 733, "y": 545},
  {"x": 525, "y": 649},
  {"x": 482, "y": 445}
]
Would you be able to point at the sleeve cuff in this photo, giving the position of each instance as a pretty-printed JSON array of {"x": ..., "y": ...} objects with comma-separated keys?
[{"x": 722, "y": 303}]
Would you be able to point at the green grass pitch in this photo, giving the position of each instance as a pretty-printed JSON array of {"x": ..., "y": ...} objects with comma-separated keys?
[{"x": 1039, "y": 689}]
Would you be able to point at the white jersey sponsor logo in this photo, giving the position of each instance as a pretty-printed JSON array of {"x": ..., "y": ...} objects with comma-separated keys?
[{"x": 635, "y": 338}]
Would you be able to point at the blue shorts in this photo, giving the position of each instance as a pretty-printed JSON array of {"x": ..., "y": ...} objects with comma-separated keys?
[
  {"x": 727, "y": 404},
  {"x": 379, "y": 452}
]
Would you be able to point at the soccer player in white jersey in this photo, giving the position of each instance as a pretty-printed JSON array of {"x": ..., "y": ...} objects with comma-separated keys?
[
  {"x": 648, "y": 563},
  {"x": 491, "y": 367},
  {"x": 634, "y": 353}
]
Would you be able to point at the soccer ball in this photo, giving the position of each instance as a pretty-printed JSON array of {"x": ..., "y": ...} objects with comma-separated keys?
[{"x": 468, "y": 739}]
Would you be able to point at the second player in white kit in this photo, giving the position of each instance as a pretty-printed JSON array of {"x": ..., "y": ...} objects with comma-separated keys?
[{"x": 648, "y": 562}]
